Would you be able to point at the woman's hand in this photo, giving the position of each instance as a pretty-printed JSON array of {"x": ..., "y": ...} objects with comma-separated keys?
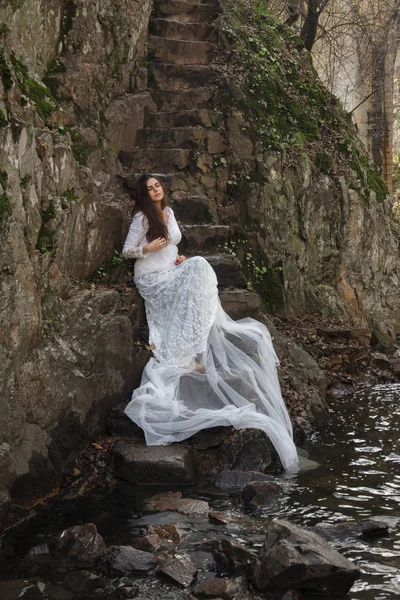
[
  {"x": 179, "y": 259},
  {"x": 155, "y": 245}
]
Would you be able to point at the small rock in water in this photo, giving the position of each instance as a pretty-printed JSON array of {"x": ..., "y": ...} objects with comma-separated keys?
[
  {"x": 259, "y": 493},
  {"x": 297, "y": 558},
  {"x": 220, "y": 588},
  {"x": 81, "y": 543},
  {"x": 172, "y": 532},
  {"x": 336, "y": 532},
  {"x": 234, "y": 558},
  {"x": 174, "y": 501},
  {"x": 125, "y": 593},
  {"x": 147, "y": 543},
  {"x": 238, "y": 479},
  {"x": 127, "y": 560},
  {"x": 181, "y": 570},
  {"x": 231, "y": 518}
]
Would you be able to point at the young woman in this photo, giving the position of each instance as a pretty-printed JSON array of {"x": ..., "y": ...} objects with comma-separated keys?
[{"x": 207, "y": 370}]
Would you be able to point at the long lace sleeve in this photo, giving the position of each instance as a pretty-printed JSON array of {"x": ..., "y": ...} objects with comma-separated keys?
[{"x": 136, "y": 238}]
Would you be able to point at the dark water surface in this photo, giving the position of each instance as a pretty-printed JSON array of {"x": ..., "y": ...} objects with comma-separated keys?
[{"x": 357, "y": 479}]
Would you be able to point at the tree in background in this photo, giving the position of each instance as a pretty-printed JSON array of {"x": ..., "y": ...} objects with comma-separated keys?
[{"x": 354, "y": 45}]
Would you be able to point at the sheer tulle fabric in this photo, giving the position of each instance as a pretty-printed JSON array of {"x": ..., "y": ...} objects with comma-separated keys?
[{"x": 240, "y": 385}]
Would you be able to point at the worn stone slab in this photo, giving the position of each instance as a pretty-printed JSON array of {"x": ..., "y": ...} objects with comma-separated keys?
[
  {"x": 180, "y": 570},
  {"x": 126, "y": 559},
  {"x": 154, "y": 465}
]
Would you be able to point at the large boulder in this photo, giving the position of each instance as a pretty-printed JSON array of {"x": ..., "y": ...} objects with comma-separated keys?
[{"x": 295, "y": 557}]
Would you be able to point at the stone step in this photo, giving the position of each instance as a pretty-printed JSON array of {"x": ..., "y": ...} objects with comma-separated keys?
[
  {"x": 184, "y": 118},
  {"x": 180, "y": 52},
  {"x": 192, "y": 208},
  {"x": 178, "y": 77},
  {"x": 181, "y": 137},
  {"x": 176, "y": 30},
  {"x": 197, "y": 238},
  {"x": 228, "y": 270},
  {"x": 182, "y": 99},
  {"x": 239, "y": 303},
  {"x": 190, "y": 12},
  {"x": 155, "y": 159}
]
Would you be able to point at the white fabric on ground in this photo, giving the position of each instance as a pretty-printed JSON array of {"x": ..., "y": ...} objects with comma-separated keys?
[{"x": 240, "y": 385}]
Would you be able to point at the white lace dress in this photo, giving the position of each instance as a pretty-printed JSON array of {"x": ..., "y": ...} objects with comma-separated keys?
[{"x": 240, "y": 385}]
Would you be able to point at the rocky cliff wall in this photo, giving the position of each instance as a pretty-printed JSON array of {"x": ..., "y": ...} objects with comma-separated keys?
[
  {"x": 71, "y": 92},
  {"x": 312, "y": 206}
]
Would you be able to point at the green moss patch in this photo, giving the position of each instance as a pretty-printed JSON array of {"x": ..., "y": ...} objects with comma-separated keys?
[
  {"x": 67, "y": 197},
  {"x": 80, "y": 148},
  {"x": 35, "y": 91},
  {"x": 271, "y": 79}
]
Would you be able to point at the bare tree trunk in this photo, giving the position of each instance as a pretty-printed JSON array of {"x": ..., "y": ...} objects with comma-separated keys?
[
  {"x": 381, "y": 117},
  {"x": 310, "y": 26}
]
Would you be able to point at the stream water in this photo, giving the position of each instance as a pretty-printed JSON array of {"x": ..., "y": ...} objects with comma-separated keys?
[{"x": 358, "y": 478}]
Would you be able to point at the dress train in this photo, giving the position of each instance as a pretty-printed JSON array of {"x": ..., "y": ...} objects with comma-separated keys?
[{"x": 239, "y": 386}]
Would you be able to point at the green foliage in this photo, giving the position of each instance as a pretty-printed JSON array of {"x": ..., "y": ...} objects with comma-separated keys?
[
  {"x": 33, "y": 90},
  {"x": 260, "y": 275},
  {"x": 368, "y": 176},
  {"x": 67, "y": 197},
  {"x": 282, "y": 94},
  {"x": 271, "y": 78},
  {"x": 80, "y": 147},
  {"x": 107, "y": 268},
  {"x": 25, "y": 180},
  {"x": 118, "y": 259}
]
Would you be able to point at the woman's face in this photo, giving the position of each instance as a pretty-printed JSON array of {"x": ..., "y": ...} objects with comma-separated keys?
[{"x": 155, "y": 190}]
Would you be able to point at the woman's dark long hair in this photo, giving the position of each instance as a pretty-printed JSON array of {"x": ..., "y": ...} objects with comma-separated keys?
[{"x": 157, "y": 226}]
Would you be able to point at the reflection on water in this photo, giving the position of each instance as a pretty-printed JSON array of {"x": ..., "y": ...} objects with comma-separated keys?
[{"x": 358, "y": 478}]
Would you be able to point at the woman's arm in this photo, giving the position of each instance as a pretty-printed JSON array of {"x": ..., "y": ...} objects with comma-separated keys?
[{"x": 134, "y": 246}]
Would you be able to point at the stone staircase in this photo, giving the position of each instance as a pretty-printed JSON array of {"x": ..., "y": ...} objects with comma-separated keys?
[{"x": 183, "y": 139}]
